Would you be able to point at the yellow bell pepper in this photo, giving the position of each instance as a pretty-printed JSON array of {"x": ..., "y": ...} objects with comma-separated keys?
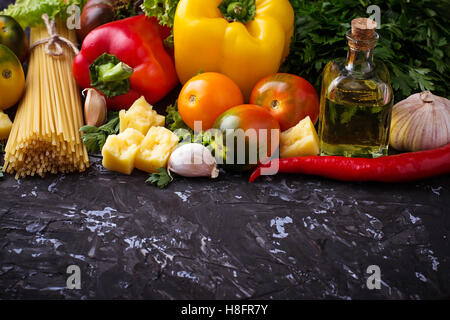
[{"x": 209, "y": 38}]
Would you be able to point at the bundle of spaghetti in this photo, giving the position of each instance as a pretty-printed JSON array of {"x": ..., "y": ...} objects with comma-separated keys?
[{"x": 45, "y": 137}]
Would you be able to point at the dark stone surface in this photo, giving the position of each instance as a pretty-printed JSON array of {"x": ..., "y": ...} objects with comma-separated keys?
[{"x": 283, "y": 237}]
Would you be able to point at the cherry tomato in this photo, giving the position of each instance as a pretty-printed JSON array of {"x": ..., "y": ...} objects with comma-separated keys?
[
  {"x": 206, "y": 96},
  {"x": 261, "y": 137},
  {"x": 289, "y": 97}
]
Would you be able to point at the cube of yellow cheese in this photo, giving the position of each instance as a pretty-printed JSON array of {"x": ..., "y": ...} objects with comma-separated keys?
[
  {"x": 300, "y": 140},
  {"x": 140, "y": 116},
  {"x": 5, "y": 126},
  {"x": 156, "y": 149},
  {"x": 119, "y": 151}
]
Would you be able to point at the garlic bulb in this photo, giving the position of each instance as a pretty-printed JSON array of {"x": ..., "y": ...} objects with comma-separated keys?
[
  {"x": 193, "y": 160},
  {"x": 420, "y": 122}
]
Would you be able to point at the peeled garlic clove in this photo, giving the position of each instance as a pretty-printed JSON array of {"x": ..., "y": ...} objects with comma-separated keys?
[
  {"x": 95, "y": 109},
  {"x": 420, "y": 122},
  {"x": 193, "y": 160}
]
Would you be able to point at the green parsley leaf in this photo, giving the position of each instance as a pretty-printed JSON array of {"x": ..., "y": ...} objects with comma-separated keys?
[
  {"x": 94, "y": 138},
  {"x": 413, "y": 41},
  {"x": 161, "y": 179},
  {"x": 175, "y": 123},
  {"x": 174, "y": 120}
]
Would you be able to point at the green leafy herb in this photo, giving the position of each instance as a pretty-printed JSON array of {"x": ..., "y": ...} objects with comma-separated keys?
[
  {"x": 175, "y": 123},
  {"x": 126, "y": 8},
  {"x": 173, "y": 119},
  {"x": 163, "y": 10},
  {"x": 94, "y": 138},
  {"x": 161, "y": 179},
  {"x": 168, "y": 42},
  {"x": 413, "y": 41},
  {"x": 29, "y": 12}
]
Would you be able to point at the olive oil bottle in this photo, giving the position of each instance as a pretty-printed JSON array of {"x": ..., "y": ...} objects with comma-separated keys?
[{"x": 356, "y": 99}]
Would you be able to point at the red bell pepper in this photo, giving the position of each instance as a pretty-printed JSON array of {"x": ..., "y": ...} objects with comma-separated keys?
[
  {"x": 403, "y": 167},
  {"x": 125, "y": 60}
]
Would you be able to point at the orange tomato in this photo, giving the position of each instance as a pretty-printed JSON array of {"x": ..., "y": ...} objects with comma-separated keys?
[
  {"x": 206, "y": 96},
  {"x": 290, "y": 98}
]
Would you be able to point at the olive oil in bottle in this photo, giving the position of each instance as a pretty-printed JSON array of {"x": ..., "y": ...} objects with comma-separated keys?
[{"x": 356, "y": 99}]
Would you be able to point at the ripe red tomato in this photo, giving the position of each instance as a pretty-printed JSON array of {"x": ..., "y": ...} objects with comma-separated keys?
[
  {"x": 289, "y": 97},
  {"x": 206, "y": 96}
]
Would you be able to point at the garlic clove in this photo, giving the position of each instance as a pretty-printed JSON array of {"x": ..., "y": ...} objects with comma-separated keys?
[
  {"x": 420, "y": 122},
  {"x": 193, "y": 160},
  {"x": 95, "y": 109}
]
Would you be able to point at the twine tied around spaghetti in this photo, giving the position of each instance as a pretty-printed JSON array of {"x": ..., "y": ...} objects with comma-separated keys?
[{"x": 53, "y": 43}]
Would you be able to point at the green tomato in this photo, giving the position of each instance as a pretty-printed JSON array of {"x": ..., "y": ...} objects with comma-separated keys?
[
  {"x": 247, "y": 134},
  {"x": 13, "y": 36}
]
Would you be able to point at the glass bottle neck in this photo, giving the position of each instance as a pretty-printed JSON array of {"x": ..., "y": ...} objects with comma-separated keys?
[{"x": 359, "y": 60}]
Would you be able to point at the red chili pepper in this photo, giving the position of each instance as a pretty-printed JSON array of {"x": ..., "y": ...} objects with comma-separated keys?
[
  {"x": 124, "y": 60},
  {"x": 398, "y": 168}
]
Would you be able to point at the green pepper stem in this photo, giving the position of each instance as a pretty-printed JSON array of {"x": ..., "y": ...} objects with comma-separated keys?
[
  {"x": 238, "y": 10},
  {"x": 110, "y": 73},
  {"x": 110, "y": 76}
]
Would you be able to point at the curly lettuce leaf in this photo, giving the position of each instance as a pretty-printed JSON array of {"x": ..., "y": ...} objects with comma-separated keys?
[
  {"x": 163, "y": 10},
  {"x": 29, "y": 12}
]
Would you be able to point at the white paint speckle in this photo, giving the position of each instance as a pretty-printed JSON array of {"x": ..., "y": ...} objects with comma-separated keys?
[
  {"x": 436, "y": 190},
  {"x": 55, "y": 242},
  {"x": 99, "y": 221},
  {"x": 413, "y": 219},
  {"x": 277, "y": 251},
  {"x": 187, "y": 275},
  {"x": 183, "y": 196},
  {"x": 279, "y": 225},
  {"x": 78, "y": 256},
  {"x": 421, "y": 277}
]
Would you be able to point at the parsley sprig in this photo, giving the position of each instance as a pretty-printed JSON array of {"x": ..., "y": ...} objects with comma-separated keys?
[
  {"x": 94, "y": 138},
  {"x": 173, "y": 118},
  {"x": 161, "y": 179},
  {"x": 413, "y": 41}
]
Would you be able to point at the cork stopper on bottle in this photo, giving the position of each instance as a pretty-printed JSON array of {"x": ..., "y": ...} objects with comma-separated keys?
[
  {"x": 363, "y": 31},
  {"x": 363, "y": 28}
]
